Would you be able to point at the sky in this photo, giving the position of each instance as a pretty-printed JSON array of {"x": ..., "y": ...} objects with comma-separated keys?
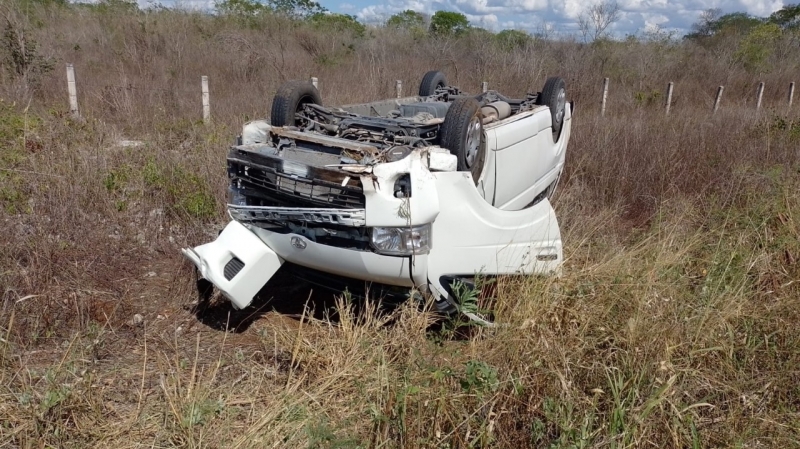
[{"x": 556, "y": 16}]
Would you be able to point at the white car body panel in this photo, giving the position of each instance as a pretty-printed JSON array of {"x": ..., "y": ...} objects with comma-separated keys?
[
  {"x": 523, "y": 150},
  {"x": 360, "y": 265},
  {"x": 260, "y": 263},
  {"x": 383, "y": 209},
  {"x": 470, "y": 236}
]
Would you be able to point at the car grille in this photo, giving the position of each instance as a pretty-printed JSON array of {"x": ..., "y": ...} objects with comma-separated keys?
[{"x": 295, "y": 190}]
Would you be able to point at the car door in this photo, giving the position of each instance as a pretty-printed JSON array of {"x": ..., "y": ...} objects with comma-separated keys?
[{"x": 525, "y": 157}]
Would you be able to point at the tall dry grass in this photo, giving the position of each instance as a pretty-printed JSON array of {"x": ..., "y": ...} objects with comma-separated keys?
[{"x": 674, "y": 325}]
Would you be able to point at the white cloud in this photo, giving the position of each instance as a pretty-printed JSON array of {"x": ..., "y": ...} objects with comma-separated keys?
[
  {"x": 561, "y": 15},
  {"x": 488, "y": 21},
  {"x": 380, "y": 13}
]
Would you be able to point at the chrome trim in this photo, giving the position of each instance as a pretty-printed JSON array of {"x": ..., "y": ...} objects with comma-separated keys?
[{"x": 344, "y": 217}]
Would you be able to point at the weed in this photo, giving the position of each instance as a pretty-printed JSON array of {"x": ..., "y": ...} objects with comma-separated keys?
[
  {"x": 200, "y": 412},
  {"x": 322, "y": 436},
  {"x": 117, "y": 178}
]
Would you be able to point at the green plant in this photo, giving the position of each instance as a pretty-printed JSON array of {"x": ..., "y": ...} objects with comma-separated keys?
[
  {"x": 200, "y": 412},
  {"x": 448, "y": 23},
  {"x": 757, "y": 46},
  {"x": 322, "y": 436},
  {"x": 510, "y": 40},
  {"x": 648, "y": 98},
  {"x": 338, "y": 23},
  {"x": 479, "y": 378},
  {"x": 116, "y": 179},
  {"x": 408, "y": 20},
  {"x": 23, "y": 58}
]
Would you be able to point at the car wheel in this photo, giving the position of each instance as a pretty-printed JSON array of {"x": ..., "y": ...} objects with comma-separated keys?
[
  {"x": 430, "y": 82},
  {"x": 554, "y": 96},
  {"x": 462, "y": 134},
  {"x": 289, "y": 99}
]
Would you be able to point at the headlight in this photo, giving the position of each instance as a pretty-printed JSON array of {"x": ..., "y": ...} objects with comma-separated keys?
[{"x": 402, "y": 241}]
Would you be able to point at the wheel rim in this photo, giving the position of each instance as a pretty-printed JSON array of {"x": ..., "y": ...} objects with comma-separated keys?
[
  {"x": 473, "y": 141},
  {"x": 560, "y": 105}
]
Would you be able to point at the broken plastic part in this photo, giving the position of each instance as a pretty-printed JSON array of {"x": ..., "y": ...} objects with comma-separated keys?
[{"x": 257, "y": 263}]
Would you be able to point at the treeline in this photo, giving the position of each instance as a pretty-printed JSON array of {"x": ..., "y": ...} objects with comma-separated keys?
[{"x": 134, "y": 64}]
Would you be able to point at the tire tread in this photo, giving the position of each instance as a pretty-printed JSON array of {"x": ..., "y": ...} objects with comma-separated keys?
[
  {"x": 286, "y": 98},
  {"x": 454, "y": 129},
  {"x": 549, "y": 97},
  {"x": 430, "y": 81}
]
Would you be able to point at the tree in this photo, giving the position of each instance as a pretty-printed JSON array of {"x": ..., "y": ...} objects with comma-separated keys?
[
  {"x": 705, "y": 23},
  {"x": 444, "y": 23},
  {"x": 787, "y": 17},
  {"x": 757, "y": 46},
  {"x": 301, "y": 9},
  {"x": 245, "y": 8},
  {"x": 511, "y": 39},
  {"x": 595, "y": 19},
  {"x": 408, "y": 20},
  {"x": 480, "y": 33},
  {"x": 339, "y": 23},
  {"x": 711, "y": 23},
  {"x": 298, "y": 9}
]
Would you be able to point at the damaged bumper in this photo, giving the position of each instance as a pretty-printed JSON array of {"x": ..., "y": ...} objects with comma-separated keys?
[{"x": 238, "y": 263}]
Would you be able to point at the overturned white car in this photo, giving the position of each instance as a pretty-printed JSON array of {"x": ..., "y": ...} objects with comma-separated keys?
[{"x": 407, "y": 194}]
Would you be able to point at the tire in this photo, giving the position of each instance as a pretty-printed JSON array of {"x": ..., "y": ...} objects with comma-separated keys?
[
  {"x": 554, "y": 96},
  {"x": 430, "y": 82},
  {"x": 462, "y": 134},
  {"x": 289, "y": 99}
]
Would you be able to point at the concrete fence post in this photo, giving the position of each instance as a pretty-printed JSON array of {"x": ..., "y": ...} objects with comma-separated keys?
[
  {"x": 669, "y": 97},
  {"x": 399, "y": 87},
  {"x": 759, "y": 95},
  {"x": 72, "y": 91},
  {"x": 206, "y": 100},
  {"x": 718, "y": 98}
]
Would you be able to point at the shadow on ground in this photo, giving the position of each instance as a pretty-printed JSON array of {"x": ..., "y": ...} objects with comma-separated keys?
[{"x": 284, "y": 294}]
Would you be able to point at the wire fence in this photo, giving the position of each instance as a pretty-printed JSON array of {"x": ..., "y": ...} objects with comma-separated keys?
[{"x": 121, "y": 97}]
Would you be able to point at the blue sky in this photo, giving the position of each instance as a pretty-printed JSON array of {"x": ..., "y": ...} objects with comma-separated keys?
[
  {"x": 557, "y": 16},
  {"x": 554, "y": 16}
]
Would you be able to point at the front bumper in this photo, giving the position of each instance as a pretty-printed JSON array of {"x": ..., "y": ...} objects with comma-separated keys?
[
  {"x": 401, "y": 271},
  {"x": 244, "y": 258},
  {"x": 238, "y": 263}
]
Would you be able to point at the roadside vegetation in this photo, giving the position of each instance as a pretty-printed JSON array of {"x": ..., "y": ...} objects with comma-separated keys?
[{"x": 676, "y": 322}]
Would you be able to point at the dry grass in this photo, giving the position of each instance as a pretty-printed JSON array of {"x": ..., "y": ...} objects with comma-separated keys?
[{"x": 675, "y": 324}]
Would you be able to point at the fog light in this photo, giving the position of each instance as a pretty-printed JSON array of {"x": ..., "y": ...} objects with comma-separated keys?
[{"x": 402, "y": 241}]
